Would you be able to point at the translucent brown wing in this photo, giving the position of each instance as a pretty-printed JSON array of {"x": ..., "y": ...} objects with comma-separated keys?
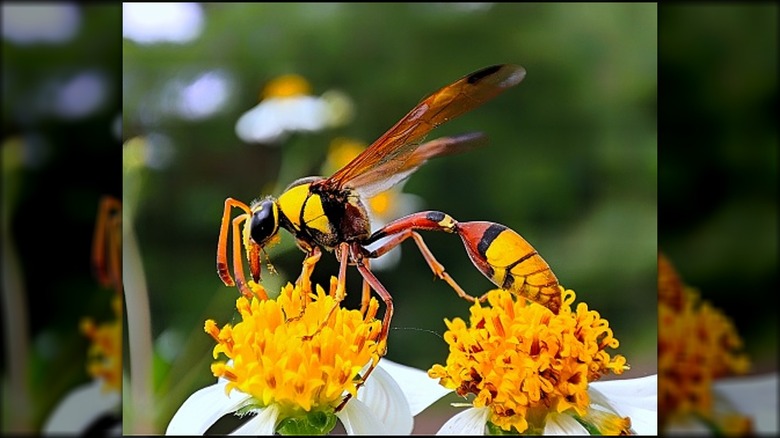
[{"x": 399, "y": 151}]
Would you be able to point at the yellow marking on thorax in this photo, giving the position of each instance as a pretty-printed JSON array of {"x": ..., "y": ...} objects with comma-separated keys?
[
  {"x": 314, "y": 215},
  {"x": 292, "y": 202}
]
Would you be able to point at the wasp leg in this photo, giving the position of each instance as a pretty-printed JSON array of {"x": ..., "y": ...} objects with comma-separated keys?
[
  {"x": 375, "y": 284},
  {"x": 403, "y": 228},
  {"x": 365, "y": 296},
  {"x": 304, "y": 280},
  {"x": 224, "y": 229},
  {"x": 107, "y": 242},
  {"x": 340, "y": 291},
  {"x": 238, "y": 264}
]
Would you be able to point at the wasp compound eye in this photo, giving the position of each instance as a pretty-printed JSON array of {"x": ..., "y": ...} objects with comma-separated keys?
[{"x": 265, "y": 223}]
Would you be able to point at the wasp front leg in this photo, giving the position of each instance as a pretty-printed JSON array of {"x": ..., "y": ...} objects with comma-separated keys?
[
  {"x": 304, "y": 280},
  {"x": 253, "y": 252}
]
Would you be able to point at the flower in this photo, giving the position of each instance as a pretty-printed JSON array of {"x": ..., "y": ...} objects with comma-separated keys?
[
  {"x": 530, "y": 371},
  {"x": 382, "y": 207},
  {"x": 698, "y": 346},
  {"x": 291, "y": 361},
  {"x": 287, "y": 106},
  {"x": 94, "y": 406}
]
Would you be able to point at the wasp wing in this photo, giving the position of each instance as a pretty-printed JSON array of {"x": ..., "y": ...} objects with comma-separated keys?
[
  {"x": 393, "y": 172},
  {"x": 399, "y": 151}
]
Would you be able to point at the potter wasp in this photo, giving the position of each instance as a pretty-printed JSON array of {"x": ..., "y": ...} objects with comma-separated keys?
[{"x": 330, "y": 214}]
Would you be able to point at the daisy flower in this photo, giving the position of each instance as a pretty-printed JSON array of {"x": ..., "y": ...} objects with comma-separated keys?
[
  {"x": 287, "y": 106},
  {"x": 291, "y": 362},
  {"x": 531, "y": 371},
  {"x": 96, "y": 406},
  {"x": 698, "y": 346}
]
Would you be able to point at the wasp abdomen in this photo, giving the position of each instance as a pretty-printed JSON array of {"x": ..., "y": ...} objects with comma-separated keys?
[{"x": 510, "y": 262}]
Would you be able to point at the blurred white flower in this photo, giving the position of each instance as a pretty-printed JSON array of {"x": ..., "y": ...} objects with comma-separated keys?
[
  {"x": 150, "y": 23},
  {"x": 287, "y": 106}
]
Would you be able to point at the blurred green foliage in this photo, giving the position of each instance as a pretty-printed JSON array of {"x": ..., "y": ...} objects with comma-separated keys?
[
  {"x": 59, "y": 158},
  {"x": 571, "y": 164},
  {"x": 718, "y": 182}
]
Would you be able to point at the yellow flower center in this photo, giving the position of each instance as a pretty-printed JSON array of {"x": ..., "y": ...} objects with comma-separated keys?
[
  {"x": 286, "y": 86},
  {"x": 296, "y": 351},
  {"x": 341, "y": 151},
  {"x": 697, "y": 343},
  {"x": 522, "y": 361},
  {"x": 104, "y": 357}
]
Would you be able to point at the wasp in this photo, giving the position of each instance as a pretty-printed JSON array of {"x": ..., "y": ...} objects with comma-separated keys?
[{"x": 329, "y": 214}]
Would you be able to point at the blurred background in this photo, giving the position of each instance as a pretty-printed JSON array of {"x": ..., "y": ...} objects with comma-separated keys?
[
  {"x": 571, "y": 164},
  {"x": 717, "y": 182},
  {"x": 60, "y": 156}
]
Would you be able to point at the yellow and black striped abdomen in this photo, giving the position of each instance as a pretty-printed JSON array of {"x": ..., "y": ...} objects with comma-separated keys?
[{"x": 511, "y": 262}]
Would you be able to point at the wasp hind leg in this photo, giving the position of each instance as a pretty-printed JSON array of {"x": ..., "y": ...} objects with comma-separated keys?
[{"x": 405, "y": 227}]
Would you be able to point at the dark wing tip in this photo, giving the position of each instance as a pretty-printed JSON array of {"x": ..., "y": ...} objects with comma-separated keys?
[{"x": 505, "y": 75}]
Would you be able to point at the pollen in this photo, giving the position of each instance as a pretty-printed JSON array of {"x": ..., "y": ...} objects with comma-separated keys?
[
  {"x": 301, "y": 351},
  {"x": 289, "y": 85},
  {"x": 697, "y": 343},
  {"x": 522, "y": 361},
  {"x": 104, "y": 356}
]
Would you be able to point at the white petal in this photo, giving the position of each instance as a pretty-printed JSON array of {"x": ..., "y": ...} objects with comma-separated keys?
[
  {"x": 688, "y": 426},
  {"x": 754, "y": 396},
  {"x": 633, "y": 398},
  {"x": 203, "y": 408},
  {"x": 303, "y": 113},
  {"x": 562, "y": 424},
  {"x": 259, "y": 124},
  {"x": 420, "y": 390},
  {"x": 80, "y": 408},
  {"x": 472, "y": 421},
  {"x": 386, "y": 400},
  {"x": 358, "y": 419},
  {"x": 264, "y": 423}
]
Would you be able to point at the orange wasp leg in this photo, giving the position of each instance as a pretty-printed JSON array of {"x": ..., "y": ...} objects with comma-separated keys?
[
  {"x": 238, "y": 263},
  {"x": 224, "y": 229},
  {"x": 339, "y": 294},
  {"x": 405, "y": 227},
  {"x": 369, "y": 278},
  {"x": 107, "y": 243},
  {"x": 304, "y": 280},
  {"x": 366, "y": 294}
]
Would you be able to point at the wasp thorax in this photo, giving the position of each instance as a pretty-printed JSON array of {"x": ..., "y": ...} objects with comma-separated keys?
[{"x": 265, "y": 222}]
